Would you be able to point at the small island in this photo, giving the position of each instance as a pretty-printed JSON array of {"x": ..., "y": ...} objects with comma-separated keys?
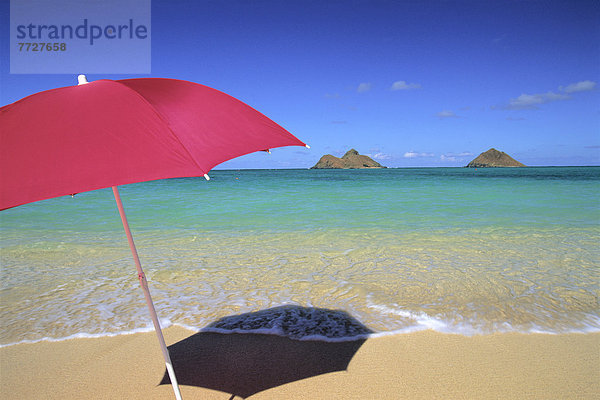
[
  {"x": 494, "y": 158},
  {"x": 350, "y": 160}
]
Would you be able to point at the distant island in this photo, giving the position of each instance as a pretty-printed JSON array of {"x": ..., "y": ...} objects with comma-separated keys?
[
  {"x": 350, "y": 160},
  {"x": 494, "y": 158}
]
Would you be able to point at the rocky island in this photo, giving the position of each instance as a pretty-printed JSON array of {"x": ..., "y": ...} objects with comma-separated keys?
[
  {"x": 350, "y": 160},
  {"x": 494, "y": 158}
]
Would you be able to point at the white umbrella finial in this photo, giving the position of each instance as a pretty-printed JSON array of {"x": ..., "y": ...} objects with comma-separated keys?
[{"x": 81, "y": 79}]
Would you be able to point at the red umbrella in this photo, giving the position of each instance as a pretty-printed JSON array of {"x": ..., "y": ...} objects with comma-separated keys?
[{"x": 109, "y": 133}]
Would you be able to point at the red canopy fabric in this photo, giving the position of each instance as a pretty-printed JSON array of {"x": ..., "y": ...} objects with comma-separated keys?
[{"x": 107, "y": 133}]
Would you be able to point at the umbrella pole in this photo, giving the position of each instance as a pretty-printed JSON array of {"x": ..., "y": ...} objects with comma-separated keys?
[{"x": 144, "y": 284}]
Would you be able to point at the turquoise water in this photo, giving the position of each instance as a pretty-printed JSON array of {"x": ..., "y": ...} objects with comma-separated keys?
[{"x": 451, "y": 249}]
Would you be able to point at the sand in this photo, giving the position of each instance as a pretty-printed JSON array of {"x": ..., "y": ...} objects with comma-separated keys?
[{"x": 421, "y": 365}]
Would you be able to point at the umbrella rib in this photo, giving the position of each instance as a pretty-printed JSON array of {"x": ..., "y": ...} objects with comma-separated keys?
[{"x": 159, "y": 115}]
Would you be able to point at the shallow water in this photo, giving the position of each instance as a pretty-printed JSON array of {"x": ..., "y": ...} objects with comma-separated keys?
[{"x": 451, "y": 249}]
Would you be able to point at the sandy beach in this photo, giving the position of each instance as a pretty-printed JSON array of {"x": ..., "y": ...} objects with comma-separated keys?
[{"x": 421, "y": 365}]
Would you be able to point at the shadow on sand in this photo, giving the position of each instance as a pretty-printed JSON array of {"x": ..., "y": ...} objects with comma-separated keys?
[{"x": 246, "y": 363}]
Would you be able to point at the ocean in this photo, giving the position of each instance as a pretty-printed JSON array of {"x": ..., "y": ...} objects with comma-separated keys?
[{"x": 457, "y": 250}]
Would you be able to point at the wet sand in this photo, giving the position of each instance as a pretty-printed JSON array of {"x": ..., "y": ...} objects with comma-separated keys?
[{"x": 421, "y": 365}]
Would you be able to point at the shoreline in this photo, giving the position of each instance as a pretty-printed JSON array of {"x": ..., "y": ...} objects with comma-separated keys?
[
  {"x": 468, "y": 333},
  {"x": 418, "y": 365}
]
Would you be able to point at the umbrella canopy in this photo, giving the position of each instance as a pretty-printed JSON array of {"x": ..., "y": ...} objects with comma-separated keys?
[{"x": 109, "y": 133}]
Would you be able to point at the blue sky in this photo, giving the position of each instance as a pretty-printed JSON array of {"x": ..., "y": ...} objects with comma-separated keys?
[{"x": 411, "y": 83}]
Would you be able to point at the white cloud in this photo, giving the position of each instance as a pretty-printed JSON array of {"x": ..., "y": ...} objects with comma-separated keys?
[
  {"x": 525, "y": 101},
  {"x": 414, "y": 154},
  {"x": 380, "y": 156},
  {"x": 582, "y": 86},
  {"x": 402, "y": 85},
  {"x": 532, "y": 101},
  {"x": 499, "y": 38},
  {"x": 463, "y": 154},
  {"x": 446, "y": 114},
  {"x": 455, "y": 156},
  {"x": 364, "y": 87},
  {"x": 444, "y": 157}
]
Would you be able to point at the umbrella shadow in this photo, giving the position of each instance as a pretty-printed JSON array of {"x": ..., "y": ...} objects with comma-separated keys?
[{"x": 247, "y": 363}]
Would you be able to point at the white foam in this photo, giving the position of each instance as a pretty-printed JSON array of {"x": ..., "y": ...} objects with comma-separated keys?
[
  {"x": 296, "y": 322},
  {"x": 279, "y": 332},
  {"x": 419, "y": 321},
  {"x": 165, "y": 323},
  {"x": 81, "y": 335}
]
